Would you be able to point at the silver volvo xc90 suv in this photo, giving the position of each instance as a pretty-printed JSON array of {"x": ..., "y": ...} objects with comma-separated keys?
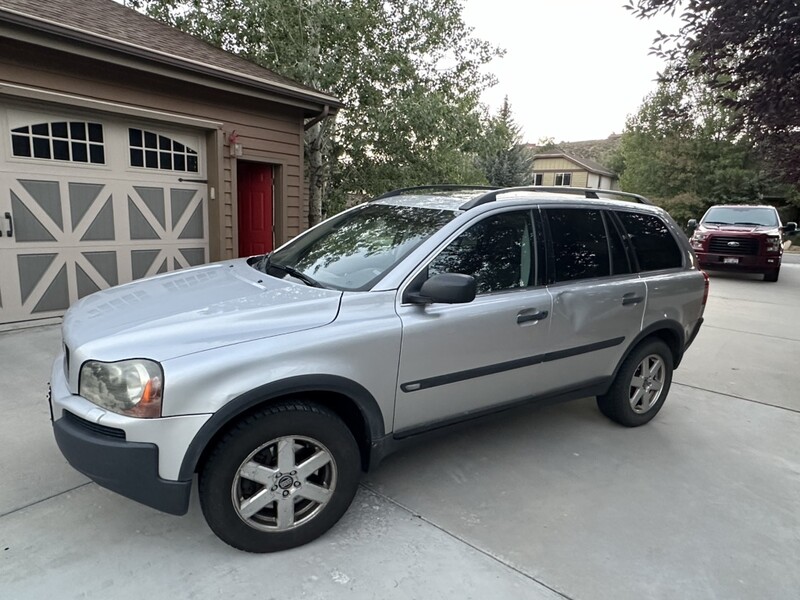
[{"x": 277, "y": 379}]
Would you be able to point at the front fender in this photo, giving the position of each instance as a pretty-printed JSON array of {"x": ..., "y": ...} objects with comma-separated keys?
[{"x": 356, "y": 393}]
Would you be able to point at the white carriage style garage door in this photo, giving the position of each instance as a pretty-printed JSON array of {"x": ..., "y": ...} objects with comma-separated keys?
[{"x": 89, "y": 201}]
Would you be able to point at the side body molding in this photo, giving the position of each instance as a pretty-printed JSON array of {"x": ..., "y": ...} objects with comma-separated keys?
[{"x": 361, "y": 397}]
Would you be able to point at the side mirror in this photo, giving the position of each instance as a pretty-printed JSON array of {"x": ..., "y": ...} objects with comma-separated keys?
[
  {"x": 446, "y": 288},
  {"x": 692, "y": 224},
  {"x": 790, "y": 227}
]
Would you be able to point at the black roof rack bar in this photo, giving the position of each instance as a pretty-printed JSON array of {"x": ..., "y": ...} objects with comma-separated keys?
[
  {"x": 585, "y": 192},
  {"x": 443, "y": 187}
]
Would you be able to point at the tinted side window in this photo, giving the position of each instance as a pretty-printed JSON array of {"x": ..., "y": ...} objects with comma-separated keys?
[
  {"x": 654, "y": 245},
  {"x": 497, "y": 251},
  {"x": 580, "y": 246}
]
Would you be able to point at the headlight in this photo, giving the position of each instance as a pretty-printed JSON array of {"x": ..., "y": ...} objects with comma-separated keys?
[
  {"x": 697, "y": 240},
  {"x": 773, "y": 243},
  {"x": 128, "y": 387}
]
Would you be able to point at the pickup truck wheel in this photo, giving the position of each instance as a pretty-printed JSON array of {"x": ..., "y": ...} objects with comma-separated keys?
[
  {"x": 772, "y": 275},
  {"x": 280, "y": 478},
  {"x": 641, "y": 385}
]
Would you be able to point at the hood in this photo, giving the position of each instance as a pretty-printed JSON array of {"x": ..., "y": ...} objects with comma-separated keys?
[
  {"x": 192, "y": 310},
  {"x": 740, "y": 229}
]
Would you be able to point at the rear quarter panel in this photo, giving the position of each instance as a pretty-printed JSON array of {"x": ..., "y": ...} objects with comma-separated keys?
[{"x": 675, "y": 297}]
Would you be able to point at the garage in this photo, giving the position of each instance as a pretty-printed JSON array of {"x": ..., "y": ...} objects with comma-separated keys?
[{"x": 129, "y": 148}]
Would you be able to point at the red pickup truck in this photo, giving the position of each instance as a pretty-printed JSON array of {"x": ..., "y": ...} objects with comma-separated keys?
[{"x": 740, "y": 238}]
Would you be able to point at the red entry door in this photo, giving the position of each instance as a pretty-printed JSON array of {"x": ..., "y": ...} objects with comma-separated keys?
[{"x": 254, "y": 182}]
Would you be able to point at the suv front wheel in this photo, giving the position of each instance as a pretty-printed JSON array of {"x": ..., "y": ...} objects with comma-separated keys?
[
  {"x": 641, "y": 386},
  {"x": 280, "y": 477}
]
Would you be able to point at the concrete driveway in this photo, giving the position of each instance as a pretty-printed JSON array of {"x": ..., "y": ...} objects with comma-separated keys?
[{"x": 544, "y": 503}]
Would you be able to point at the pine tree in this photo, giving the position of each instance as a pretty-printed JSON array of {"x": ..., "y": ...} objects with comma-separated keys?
[{"x": 505, "y": 161}]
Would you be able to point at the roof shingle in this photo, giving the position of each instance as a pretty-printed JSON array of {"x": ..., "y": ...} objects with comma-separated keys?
[{"x": 111, "y": 20}]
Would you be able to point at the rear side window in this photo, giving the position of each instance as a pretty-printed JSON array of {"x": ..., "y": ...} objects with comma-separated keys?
[
  {"x": 652, "y": 241},
  {"x": 580, "y": 245}
]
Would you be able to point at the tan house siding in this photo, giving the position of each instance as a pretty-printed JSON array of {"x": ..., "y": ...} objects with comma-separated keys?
[
  {"x": 549, "y": 167},
  {"x": 553, "y": 164},
  {"x": 579, "y": 178},
  {"x": 276, "y": 139}
]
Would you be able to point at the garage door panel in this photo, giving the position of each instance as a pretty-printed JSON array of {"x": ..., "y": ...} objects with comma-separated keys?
[
  {"x": 80, "y": 228},
  {"x": 31, "y": 223}
]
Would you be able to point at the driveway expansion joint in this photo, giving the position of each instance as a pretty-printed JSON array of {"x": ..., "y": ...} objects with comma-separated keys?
[
  {"x": 35, "y": 502},
  {"x": 761, "y": 402},
  {"x": 485, "y": 553}
]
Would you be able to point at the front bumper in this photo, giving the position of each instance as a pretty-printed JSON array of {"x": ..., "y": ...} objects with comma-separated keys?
[
  {"x": 745, "y": 264},
  {"x": 128, "y": 468},
  {"x": 138, "y": 458}
]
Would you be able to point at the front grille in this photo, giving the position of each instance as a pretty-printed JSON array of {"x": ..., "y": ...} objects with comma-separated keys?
[
  {"x": 733, "y": 245},
  {"x": 112, "y": 432}
]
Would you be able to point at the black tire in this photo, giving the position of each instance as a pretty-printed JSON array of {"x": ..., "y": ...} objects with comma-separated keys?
[
  {"x": 313, "y": 429},
  {"x": 616, "y": 404},
  {"x": 772, "y": 275}
]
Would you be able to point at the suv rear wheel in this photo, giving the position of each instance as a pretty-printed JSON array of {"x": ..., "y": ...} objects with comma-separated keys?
[
  {"x": 641, "y": 385},
  {"x": 280, "y": 478}
]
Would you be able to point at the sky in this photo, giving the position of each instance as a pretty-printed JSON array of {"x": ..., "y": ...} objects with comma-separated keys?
[{"x": 573, "y": 69}]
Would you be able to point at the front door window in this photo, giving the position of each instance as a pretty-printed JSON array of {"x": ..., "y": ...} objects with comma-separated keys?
[{"x": 498, "y": 252}]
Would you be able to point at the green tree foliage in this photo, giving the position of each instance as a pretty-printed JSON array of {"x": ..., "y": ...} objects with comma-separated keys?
[
  {"x": 408, "y": 72},
  {"x": 503, "y": 159},
  {"x": 678, "y": 149},
  {"x": 747, "y": 54}
]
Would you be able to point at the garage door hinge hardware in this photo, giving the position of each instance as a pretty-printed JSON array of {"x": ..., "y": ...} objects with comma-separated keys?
[{"x": 182, "y": 180}]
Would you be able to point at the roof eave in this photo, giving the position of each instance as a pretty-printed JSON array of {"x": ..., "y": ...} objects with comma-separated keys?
[{"x": 107, "y": 43}]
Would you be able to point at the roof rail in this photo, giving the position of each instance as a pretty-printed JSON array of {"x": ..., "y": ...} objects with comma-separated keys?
[
  {"x": 442, "y": 187},
  {"x": 585, "y": 192}
]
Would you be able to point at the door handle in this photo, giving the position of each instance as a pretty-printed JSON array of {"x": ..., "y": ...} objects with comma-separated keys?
[
  {"x": 631, "y": 298},
  {"x": 524, "y": 317},
  {"x": 10, "y": 231}
]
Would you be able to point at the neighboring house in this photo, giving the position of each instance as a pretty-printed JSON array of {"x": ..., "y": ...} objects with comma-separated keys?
[
  {"x": 561, "y": 169},
  {"x": 128, "y": 148}
]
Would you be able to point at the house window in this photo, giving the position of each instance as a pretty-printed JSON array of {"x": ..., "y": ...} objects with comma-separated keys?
[
  {"x": 154, "y": 151},
  {"x": 537, "y": 179},
  {"x": 69, "y": 141},
  {"x": 563, "y": 179}
]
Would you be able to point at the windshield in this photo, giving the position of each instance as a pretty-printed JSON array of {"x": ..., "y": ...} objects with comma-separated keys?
[
  {"x": 741, "y": 215},
  {"x": 354, "y": 250}
]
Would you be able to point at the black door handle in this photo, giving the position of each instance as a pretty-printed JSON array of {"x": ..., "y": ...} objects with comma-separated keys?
[
  {"x": 10, "y": 231},
  {"x": 629, "y": 299},
  {"x": 537, "y": 316}
]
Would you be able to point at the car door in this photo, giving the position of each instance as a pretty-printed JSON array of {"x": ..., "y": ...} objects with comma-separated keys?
[
  {"x": 598, "y": 299},
  {"x": 674, "y": 292},
  {"x": 458, "y": 359}
]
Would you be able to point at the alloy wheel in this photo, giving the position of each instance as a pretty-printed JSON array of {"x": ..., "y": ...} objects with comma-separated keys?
[
  {"x": 647, "y": 383},
  {"x": 284, "y": 483}
]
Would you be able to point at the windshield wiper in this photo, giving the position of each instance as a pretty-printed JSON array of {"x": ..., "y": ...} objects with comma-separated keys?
[
  {"x": 262, "y": 263},
  {"x": 308, "y": 280},
  {"x": 750, "y": 223},
  {"x": 716, "y": 223}
]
